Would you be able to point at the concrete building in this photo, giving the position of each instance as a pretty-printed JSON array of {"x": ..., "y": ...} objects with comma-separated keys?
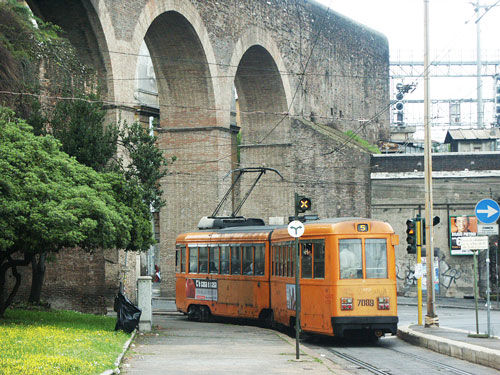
[{"x": 460, "y": 180}]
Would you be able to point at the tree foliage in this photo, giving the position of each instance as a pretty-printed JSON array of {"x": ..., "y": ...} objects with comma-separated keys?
[{"x": 49, "y": 201}]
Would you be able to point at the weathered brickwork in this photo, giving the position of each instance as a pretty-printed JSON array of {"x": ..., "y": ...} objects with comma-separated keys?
[
  {"x": 200, "y": 50},
  {"x": 81, "y": 281}
]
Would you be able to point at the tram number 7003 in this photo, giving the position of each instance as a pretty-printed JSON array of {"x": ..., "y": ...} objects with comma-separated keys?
[{"x": 366, "y": 302}]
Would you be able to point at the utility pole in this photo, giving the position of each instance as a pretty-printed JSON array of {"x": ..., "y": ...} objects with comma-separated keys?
[
  {"x": 480, "y": 110},
  {"x": 431, "y": 319},
  {"x": 478, "y": 66}
]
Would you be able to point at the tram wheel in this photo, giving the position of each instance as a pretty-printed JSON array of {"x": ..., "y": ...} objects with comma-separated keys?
[
  {"x": 194, "y": 313},
  {"x": 270, "y": 322},
  {"x": 205, "y": 315}
]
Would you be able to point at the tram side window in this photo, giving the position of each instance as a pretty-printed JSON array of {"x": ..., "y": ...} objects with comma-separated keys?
[
  {"x": 203, "y": 260},
  {"x": 183, "y": 259},
  {"x": 259, "y": 260},
  {"x": 292, "y": 259},
  {"x": 193, "y": 259},
  {"x": 280, "y": 261},
  {"x": 307, "y": 253},
  {"x": 319, "y": 260},
  {"x": 224, "y": 260},
  {"x": 235, "y": 260},
  {"x": 213, "y": 259},
  {"x": 248, "y": 260},
  {"x": 177, "y": 260},
  {"x": 351, "y": 261},
  {"x": 285, "y": 260},
  {"x": 275, "y": 260},
  {"x": 376, "y": 258}
]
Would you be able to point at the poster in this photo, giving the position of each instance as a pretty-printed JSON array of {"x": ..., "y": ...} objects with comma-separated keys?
[
  {"x": 461, "y": 226},
  {"x": 436, "y": 274},
  {"x": 291, "y": 301},
  {"x": 202, "y": 289}
]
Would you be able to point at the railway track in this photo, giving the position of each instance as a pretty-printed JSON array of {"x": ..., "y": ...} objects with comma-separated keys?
[{"x": 378, "y": 371}]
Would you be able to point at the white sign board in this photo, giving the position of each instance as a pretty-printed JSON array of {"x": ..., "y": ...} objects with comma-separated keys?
[
  {"x": 296, "y": 228},
  {"x": 419, "y": 271},
  {"x": 474, "y": 243},
  {"x": 486, "y": 229}
]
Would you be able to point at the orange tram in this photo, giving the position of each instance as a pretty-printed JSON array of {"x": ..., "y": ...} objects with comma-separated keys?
[{"x": 347, "y": 275}]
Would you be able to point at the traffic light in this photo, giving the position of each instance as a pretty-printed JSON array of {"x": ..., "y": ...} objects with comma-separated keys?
[
  {"x": 435, "y": 221},
  {"x": 399, "y": 106},
  {"x": 303, "y": 204},
  {"x": 411, "y": 236}
]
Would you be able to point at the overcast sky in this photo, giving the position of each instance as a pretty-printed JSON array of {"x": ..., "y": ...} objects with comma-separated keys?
[
  {"x": 452, "y": 25},
  {"x": 452, "y": 31}
]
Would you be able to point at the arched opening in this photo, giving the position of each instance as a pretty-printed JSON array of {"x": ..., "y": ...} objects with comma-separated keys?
[
  {"x": 82, "y": 27},
  {"x": 261, "y": 98},
  {"x": 185, "y": 89},
  {"x": 262, "y": 116}
]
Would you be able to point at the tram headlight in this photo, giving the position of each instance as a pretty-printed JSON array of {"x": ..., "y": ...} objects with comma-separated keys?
[
  {"x": 383, "y": 303},
  {"x": 346, "y": 304}
]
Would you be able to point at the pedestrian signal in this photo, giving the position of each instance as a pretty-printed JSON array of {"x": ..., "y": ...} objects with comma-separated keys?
[{"x": 411, "y": 236}]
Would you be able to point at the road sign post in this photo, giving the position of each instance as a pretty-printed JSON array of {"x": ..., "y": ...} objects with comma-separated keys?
[
  {"x": 487, "y": 212},
  {"x": 296, "y": 230}
]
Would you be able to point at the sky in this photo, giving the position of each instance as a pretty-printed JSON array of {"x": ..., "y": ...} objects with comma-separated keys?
[
  {"x": 452, "y": 34},
  {"x": 451, "y": 25}
]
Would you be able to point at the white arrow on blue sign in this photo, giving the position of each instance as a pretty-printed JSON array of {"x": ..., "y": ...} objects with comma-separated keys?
[{"x": 487, "y": 211}]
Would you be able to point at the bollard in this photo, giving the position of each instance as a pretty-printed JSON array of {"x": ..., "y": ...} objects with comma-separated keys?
[{"x": 144, "y": 297}]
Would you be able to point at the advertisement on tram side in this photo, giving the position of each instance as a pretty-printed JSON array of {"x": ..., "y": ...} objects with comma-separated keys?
[{"x": 202, "y": 289}]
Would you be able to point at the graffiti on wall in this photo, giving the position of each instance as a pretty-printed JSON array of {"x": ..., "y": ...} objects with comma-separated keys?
[{"x": 451, "y": 276}]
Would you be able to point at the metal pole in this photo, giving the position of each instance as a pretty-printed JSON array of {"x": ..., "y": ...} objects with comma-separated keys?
[
  {"x": 431, "y": 319},
  {"x": 297, "y": 286},
  {"x": 496, "y": 269},
  {"x": 475, "y": 290},
  {"x": 419, "y": 264},
  {"x": 488, "y": 292},
  {"x": 478, "y": 66}
]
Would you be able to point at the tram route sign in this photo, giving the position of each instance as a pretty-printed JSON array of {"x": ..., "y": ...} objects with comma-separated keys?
[
  {"x": 296, "y": 228},
  {"x": 487, "y": 211}
]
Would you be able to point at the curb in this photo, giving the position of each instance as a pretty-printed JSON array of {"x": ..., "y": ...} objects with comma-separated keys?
[
  {"x": 118, "y": 360},
  {"x": 461, "y": 350}
]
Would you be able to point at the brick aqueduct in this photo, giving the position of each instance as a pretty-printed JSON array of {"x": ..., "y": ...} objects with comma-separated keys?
[{"x": 289, "y": 121}]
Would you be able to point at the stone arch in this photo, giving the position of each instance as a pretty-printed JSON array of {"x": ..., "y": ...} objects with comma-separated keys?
[
  {"x": 264, "y": 93},
  {"x": 82, "y": 23},
  {"x": 183, "y": 61}
]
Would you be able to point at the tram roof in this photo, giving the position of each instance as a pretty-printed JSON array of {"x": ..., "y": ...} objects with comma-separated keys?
[{"x": 322, "y": 226}]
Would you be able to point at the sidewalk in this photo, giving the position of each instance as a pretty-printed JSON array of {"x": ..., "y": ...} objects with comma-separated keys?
[
  {"x": 453, "y": 342},
  {"x": 182, "y": 347}
]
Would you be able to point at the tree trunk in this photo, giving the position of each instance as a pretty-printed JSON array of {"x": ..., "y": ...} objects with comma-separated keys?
[
  {"x": 38, "y": 267},
  {"x": 6, "y": 263}
]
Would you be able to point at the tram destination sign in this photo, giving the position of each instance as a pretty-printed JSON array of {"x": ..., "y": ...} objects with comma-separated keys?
[{"x": 474, "y": 243}]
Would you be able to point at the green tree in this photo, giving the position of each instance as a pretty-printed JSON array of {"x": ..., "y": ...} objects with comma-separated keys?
[{"x": 49, "y": 201}]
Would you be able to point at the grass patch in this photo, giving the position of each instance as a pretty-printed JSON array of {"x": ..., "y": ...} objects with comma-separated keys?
[
  {"x": 363, "y": 142},
  {"x": 58, "y": 342}
]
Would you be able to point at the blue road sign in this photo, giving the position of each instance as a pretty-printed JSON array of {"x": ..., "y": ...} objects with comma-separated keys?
[{"x": 487, "y": 211}]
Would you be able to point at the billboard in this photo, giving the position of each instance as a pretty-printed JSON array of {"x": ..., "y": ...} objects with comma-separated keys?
[{"x": 461, "y": 226}]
